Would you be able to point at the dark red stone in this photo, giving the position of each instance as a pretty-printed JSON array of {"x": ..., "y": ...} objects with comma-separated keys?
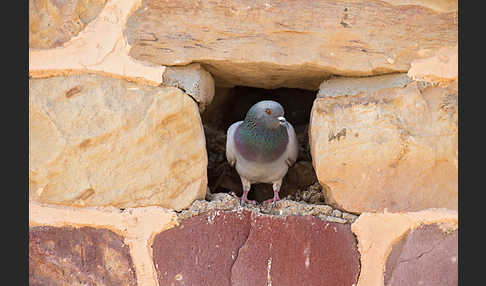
[
  {"x": 244, "y": 248},
  {"x": 201, "y": 250},
  {"x": 297, "y": 250},
  {"x": 425, "y": 256},
  {"x": 78, "y": 256}
]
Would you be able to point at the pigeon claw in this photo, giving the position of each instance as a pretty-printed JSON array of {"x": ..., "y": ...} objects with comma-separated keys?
[
  {"x": 273, "y": 200},
  {"x": 244, "y": 201}
]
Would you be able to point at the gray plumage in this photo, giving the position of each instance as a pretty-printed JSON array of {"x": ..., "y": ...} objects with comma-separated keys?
[{"x": 262, "y": 147}]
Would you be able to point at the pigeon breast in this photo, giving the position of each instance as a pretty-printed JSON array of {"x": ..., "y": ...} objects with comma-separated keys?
[{"x": 259, "y": 144}]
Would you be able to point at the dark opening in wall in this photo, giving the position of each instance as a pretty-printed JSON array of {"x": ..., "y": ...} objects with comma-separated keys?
[{"x": 230, "y": 105}]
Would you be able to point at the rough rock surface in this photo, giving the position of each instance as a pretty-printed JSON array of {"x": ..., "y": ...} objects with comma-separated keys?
[
  {"x": 273, "y": 44},
  {"x": 99, "y": 48},
  {"x": 136, "y": 225},
  {"x": 84, "y": 256},
  {"x": 54, "y": 22},
  {"x": 356, "y": 85},
  {"x": 424, "y": 256},
  {"x": 193, "y": 80},
  {"x": 442, "y": 68},
  {"x": 284, "y": 207},
  {"x": 379, "y": 233},
  {"x": 241, "y": 247},
  {"x": 393, "y": 148},
  {"x": 201, "y": 250},
  {"x": 98, "y": 141},
  {"x": 297, "y": 250},
  {"x": 437, "y": 5}
]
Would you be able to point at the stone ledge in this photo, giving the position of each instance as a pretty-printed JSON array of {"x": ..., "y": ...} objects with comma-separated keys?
[
  {"x": 294, "y": 44},
  {"x": 346, "y": 86},
  {"x": 282, "y": 208}
]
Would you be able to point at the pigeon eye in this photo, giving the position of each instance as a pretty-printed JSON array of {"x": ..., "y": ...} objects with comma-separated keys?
[{"x": 268, "y": 111}]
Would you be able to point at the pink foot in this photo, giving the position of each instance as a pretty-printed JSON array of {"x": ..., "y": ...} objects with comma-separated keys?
[
  {"x": 274, "y": 199},
  {"x": 244, "y": 199}
]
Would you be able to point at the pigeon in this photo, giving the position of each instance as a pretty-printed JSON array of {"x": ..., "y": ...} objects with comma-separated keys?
[{"x": 262, "y": 147}]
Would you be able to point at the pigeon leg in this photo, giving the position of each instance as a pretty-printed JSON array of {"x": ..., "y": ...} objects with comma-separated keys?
[
  {"x": 276, "y": 189},
  {"x": 246, "y": 188}
]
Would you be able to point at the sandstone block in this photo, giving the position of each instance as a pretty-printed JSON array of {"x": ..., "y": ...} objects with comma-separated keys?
[
  {"x": 245, "y": 248},
  {"x": 389, "y": 148},
  {"x": 78, "y": 256},
  {"x": 412, "y": 248},
  {"x": 442, "y": 68},
  {"x": 100, "y": 47},
  {"x": 290, "y": 43},
  {"x": 193, "y": 80},
  {"x": 52, "y": 23},
  {"x": 99, "y": 141}
]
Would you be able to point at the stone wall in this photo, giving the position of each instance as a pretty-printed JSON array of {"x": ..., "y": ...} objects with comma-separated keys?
[{"x": 118, "y": 152}]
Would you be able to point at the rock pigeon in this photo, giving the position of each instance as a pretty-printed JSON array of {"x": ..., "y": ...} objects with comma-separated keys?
[{"x": 262, "y": 147}]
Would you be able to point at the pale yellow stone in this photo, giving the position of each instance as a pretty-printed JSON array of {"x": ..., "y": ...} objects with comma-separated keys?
[
  {"x": 138, "y": 226},
  {"x": 389, "y": 148},
  {"x": 100, "y": 141},
  {"x": 441, "y": 68},
  {"x": 194, "y": 80},
  {"x": 437, "y": 5},
  {"x": 53, "y": 22},
  {"x": 99, "y": 48},
  {"x": 378, "y": 232},
  {"x": 297, "y": 44},
  {"x": 357, "y": 85}
]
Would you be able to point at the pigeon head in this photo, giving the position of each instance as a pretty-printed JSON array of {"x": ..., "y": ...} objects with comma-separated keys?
[
  {"x": 263, "y": 134},
  {"x": 266, "y": 113}
]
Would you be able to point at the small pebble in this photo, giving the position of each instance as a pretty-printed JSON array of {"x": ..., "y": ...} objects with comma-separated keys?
[
  {"x": 335, "y": 219},
  {"x": 337, "y": 213},
  {"x": 349, "y": 217},
  {"x": 325, "y": 209}
]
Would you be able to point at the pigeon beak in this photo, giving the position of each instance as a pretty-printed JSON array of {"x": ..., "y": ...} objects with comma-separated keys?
[{"x": 282, "y": 120}]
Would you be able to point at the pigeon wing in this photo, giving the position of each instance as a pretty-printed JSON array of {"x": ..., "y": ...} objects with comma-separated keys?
[
  {"x": 230, "y": 143},
  {"x": 292, "y": 147}
]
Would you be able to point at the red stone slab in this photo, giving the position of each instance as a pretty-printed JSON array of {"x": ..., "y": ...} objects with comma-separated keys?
[
  {"x": 297, "y": 250},
  {"x": 201, "y": 250},
  {"x": 244, "y": 248},
  {"x": 84, "y": 256},
  {"x": 425, "y": 256}
]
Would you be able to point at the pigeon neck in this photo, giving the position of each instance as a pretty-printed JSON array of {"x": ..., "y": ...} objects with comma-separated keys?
[{"x": 259, "y": 143}]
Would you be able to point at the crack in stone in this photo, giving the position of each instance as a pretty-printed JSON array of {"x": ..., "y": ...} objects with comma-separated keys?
[
  {"x": 238, "y": 252},
  {"x": 417, "y": 257},
  {"x": 227, "y": 203}
]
